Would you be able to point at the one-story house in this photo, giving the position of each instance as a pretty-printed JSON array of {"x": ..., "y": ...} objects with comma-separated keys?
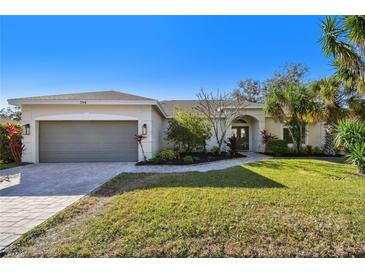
[{"x": 100, "y": 126}]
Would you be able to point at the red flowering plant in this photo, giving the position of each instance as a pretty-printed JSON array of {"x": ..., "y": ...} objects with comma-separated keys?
[
  {"x": 267, "y": 136},
  {"x": 16, "y": 146},
  {"x": 139, "y": 138}
]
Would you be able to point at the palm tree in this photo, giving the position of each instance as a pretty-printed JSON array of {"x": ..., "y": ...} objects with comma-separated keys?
[
  {"x": 294, "y": 106},
  {"x": 331, "y": 98},
  {"x": 343, "y": 39}
]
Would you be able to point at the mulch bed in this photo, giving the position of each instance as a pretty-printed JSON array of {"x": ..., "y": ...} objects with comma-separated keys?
[{"x": 198, "y": 158}]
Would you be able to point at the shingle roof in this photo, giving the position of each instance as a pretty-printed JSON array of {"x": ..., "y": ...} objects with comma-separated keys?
[
  {"x": 171, "y": 105},
  {"x": 97, "y": 95},
  {"x": 188, "y": 105}
]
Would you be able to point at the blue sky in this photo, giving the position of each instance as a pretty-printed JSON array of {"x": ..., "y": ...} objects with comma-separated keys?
[{"x": 154, "y": 56}]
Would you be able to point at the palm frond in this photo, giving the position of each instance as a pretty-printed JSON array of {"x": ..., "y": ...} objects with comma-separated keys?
[{"x": 355, "y": 27}]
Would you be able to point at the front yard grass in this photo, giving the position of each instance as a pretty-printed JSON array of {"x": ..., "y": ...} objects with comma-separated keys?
[
  {"x": 7, "y": 165},
  {"x": 273, "y": 208}
]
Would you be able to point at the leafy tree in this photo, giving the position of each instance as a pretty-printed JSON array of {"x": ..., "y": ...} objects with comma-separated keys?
[
  {"x": 332, "y": 99},
  {"x": 343, "y": 40},
  {"x": 9, "y": 113},
  {"x": 290, "y": 74},
  {"x": 219, "y": 109},
  {"x": 250, "y": 90},
  {"x": 188, "y": 131}
]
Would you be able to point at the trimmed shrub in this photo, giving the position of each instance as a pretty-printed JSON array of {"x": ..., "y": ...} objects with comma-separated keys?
[
  {"x": 278, "y": 147},
  {"x": 196, "y": 158},
  {"x": 215, "y": 150},
  {"x": 167, "y": 154},
  {"x": 308, "y": 150},
  {"x": 188, "y": 159},
  {"x": 317, "y": 150},
  {"x": 154, "y": 160}
]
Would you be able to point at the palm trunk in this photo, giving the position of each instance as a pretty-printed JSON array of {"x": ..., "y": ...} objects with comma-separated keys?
[
  {"x": 300, "y": 137},
  {"x": 328, "y": 148}
]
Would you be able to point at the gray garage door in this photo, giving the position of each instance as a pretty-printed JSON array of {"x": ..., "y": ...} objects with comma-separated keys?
[{"x": 87, "y": 141}]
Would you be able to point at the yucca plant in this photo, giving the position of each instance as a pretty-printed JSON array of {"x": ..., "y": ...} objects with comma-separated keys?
[
  {"x": 357, "y": 156},
  {"x": 351, "y": 136}
]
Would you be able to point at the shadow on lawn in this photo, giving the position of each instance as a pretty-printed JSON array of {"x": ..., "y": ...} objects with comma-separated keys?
[{"x": 235, "y": 177}]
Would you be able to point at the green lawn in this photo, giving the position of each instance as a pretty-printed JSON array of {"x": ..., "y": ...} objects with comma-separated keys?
[
  {"x": 4, "y": 166},
  {"x": 272, "y": 208}
]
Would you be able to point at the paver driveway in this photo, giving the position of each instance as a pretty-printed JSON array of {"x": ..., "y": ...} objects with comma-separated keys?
[{"x": 31, "y": 194}]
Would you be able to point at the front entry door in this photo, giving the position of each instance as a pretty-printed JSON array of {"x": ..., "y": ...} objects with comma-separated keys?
[{"x": 242, "y": 134}]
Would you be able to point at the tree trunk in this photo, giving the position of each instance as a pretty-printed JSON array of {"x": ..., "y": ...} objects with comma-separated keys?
[
  {"x": 328, "y": 148},
  {"x": 300, "y": 137},
  {"x": 293, "y": 139}
]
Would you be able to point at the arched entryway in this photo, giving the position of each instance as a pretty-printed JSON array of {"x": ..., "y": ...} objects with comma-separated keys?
[
  {"x": 247, "y": 129},
  {"x": 241, "y": 130}
]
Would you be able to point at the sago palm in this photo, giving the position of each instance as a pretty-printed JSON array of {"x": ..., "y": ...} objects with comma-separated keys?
[{"x": 343, "y": 39}]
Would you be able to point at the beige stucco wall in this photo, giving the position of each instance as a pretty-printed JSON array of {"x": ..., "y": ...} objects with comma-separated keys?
[
  {"x": 164, "y": 142},
  {"x": 315, "y": 135},
  {"x": 273, "y": 127},
  {"x": 157, "y": 129},
  {"x": 32, "y": 114}
]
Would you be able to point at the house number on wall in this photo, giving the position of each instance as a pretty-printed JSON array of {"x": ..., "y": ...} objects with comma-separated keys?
[{"x": 83, "y": 102}]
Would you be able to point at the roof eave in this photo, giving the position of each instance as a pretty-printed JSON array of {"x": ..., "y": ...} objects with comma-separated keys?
[
  {"x": 79, "y": 102},
  {"x": 19, "y": 102}
]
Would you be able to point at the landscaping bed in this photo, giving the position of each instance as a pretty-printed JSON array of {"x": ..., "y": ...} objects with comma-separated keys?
[
  {"x": 10, "y": 165},
  {"x": 196, "y": 157}
]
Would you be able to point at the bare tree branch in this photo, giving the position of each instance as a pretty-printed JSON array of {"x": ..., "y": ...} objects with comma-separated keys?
[{"x": 220, "y": 109}]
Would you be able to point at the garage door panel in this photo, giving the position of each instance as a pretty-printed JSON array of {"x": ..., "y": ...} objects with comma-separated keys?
[{"x": 87, "y": 141}]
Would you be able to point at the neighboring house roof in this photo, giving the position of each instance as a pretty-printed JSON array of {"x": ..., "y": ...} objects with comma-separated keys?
[
  {"x": 96, "y": 95},
  {"x": 170, "y": 106}
]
